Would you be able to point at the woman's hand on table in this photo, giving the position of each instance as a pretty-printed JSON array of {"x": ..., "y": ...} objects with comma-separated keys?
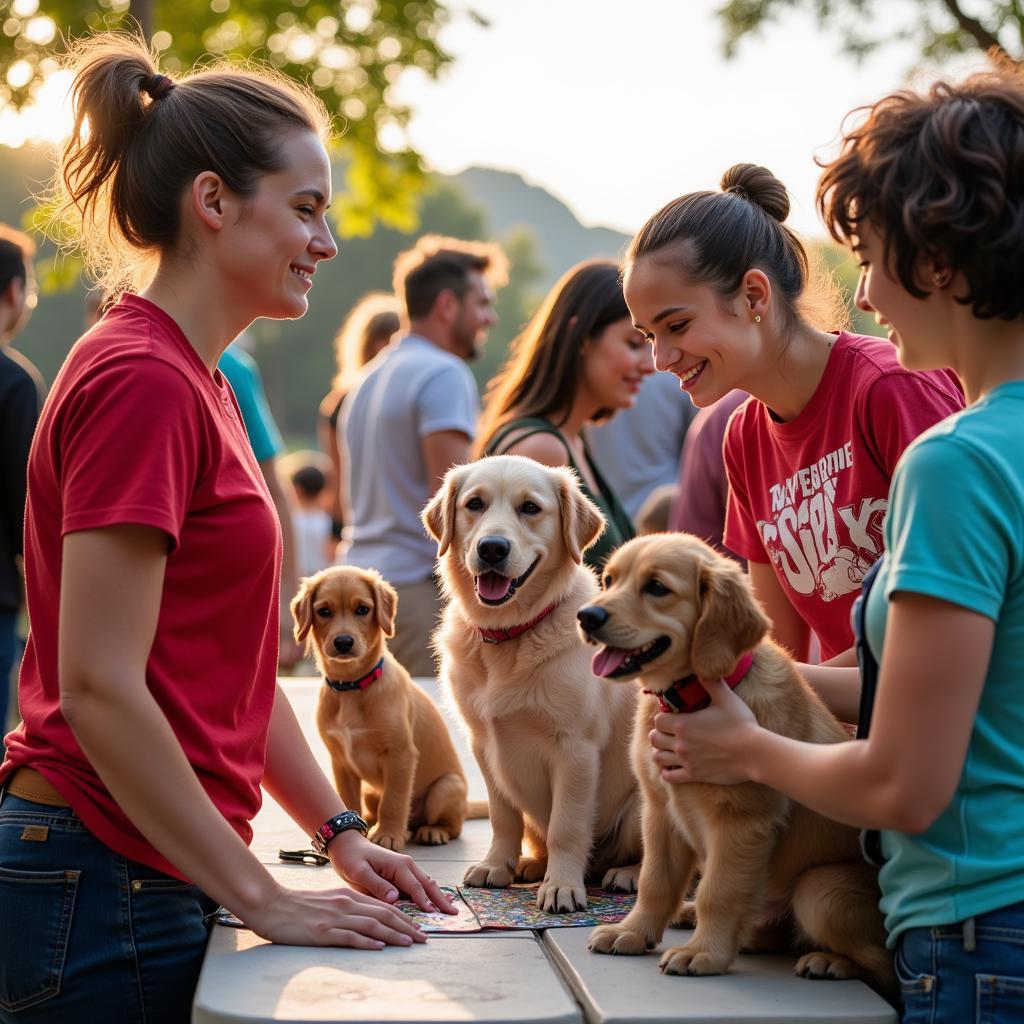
[
  {"x": 385, "y": 874},
  {"x": 331, "y": 917}
]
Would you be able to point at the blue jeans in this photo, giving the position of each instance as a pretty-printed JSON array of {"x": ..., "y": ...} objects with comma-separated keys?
[
  {"x": 966, "y": 973},
  {"x": 87, "y": 934}
]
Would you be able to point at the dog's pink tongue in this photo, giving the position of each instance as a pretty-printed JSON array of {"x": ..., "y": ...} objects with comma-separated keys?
[
  {"x": 607, "y": 660},
  {"x": 492, "y": 586}
]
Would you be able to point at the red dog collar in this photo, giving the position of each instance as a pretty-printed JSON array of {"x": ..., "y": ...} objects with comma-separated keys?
[
  {"x": 357, "y": 684},
  {"x": 686, "y": 695},
  {"x": 499, "y": 636}
]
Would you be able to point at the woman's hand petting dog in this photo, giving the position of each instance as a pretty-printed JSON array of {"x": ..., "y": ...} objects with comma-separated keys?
[
  {"x": 707, "y": 745},
  {"x": 384, "y": 874}
]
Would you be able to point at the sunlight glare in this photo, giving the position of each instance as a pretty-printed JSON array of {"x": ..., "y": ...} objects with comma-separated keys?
[{"x": 47, "y": 118}]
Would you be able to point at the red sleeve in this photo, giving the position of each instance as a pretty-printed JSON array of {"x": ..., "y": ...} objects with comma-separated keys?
[
  {"x": 899, "y": 407},
  {"x": 129, "y": 443},
  {"x": 741, "y": 533}
]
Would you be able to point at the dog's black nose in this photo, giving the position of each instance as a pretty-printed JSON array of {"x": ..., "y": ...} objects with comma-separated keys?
[
  {"x": 493, "y": 550},
  {"x": 591, "y": 618},
  {"x": 343, "y": 644}
]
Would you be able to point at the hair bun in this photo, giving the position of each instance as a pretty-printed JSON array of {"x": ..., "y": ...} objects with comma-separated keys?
[{"x": 760, "y": 186}]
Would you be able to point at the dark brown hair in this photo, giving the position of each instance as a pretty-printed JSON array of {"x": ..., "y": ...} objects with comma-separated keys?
[
  {"x": 940, "y": 177},
  {"x": 717, "y": 237},
  {"x": 436, "y": 264},
  {"x": 542, "y": 374},
  {"x": 140, "y": 138},
  {"x": 16, "y": 249}
]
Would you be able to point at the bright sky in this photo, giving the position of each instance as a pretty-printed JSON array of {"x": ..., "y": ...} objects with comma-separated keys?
[{"x": 618, "y": 107}]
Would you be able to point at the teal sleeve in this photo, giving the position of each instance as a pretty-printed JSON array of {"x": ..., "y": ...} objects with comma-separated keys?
[
  {"x": 951, "y": 526},
  {"x": 244, "y": 377}
]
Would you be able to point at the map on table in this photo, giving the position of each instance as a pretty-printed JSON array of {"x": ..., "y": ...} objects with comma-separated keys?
[{"x": 516, "y": 907}]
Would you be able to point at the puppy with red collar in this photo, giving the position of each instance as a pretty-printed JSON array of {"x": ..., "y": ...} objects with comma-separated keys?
[{"x": 391, "y": 753}]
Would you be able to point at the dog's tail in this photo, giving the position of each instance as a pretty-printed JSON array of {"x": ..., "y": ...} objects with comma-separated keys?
[{"x": 477, "y": 809}]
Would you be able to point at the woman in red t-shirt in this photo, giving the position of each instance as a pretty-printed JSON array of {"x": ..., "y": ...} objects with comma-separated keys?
[
  {"x": 716, "y": 281},
  {"x": 149, "y": 696}
]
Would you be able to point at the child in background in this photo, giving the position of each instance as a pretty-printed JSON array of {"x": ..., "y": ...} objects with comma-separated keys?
[{"x": 311, "y": 522}]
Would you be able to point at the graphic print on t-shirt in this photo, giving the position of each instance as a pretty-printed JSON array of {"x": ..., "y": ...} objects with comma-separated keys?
[{"x": 817, "y": 546}]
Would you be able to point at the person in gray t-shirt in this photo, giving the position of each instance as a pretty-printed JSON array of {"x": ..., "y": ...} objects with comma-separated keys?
[{"x": 411, "y": 416}]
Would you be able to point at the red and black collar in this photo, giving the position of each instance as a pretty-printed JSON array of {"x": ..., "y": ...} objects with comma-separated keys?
[
  {"x": 344, "y": 686},
  {"x": 499, "y": 636},
  {"x": 686, "y": 695}
]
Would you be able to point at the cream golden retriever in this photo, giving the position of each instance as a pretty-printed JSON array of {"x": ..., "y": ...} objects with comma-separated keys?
[
  {"x": 390, "y": 750},
  {"x": 672, "y": 612},
  {"x": 553, "y": 746}
]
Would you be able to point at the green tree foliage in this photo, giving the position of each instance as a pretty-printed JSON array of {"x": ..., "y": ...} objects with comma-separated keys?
[
  {"x": 939, "y": 28},
  {"x": 351, "y": 53}
]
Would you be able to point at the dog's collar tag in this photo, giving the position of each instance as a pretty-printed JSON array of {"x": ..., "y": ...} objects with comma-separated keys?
[
  {"x": 345, "y": 686},
  {"x": 499, "y": 636},
  {"x": 686, "y": 695}
]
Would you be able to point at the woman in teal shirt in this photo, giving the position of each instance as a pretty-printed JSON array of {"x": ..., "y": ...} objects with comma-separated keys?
[
  {"x": 929, "y": 191},
  {"x": 578, "y": 361}
]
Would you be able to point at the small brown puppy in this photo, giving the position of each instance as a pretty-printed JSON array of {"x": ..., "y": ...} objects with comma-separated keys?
[
  {"x": 390, "y": 749},
  {"x": 673, "y": 612}
]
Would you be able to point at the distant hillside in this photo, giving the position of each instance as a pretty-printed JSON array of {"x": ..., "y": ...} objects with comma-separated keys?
[{"x": 511, "y": 204}]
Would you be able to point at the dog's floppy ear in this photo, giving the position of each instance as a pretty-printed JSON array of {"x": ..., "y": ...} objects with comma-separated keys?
[
  {"x": 731, "y": 621},
  {"x": 385, "y": 600},
  {"x": 582, "y": 522},
  {"x": 439, "y": 515},
  {"x": 302, "y": 607}
]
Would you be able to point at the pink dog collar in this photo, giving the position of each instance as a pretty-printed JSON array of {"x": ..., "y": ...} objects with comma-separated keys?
[{"x": 686, "y": 695}]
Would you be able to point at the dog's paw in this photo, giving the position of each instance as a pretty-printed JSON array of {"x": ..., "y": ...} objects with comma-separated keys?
[
  {"x": 686, "y": 915},
  {"x": 826, "y": 965},
  {"x": 621, "y": 879},
  {"x": 388, "y": 840},
  {"x": 432, "y": 835},
  {"x": 615, "y": 939},
  {"x": 488, "y": 876},
  {"x": 530, "y": 869},
  {"x": 691, "y": 960},
  {"x": 556, "y": 898}
]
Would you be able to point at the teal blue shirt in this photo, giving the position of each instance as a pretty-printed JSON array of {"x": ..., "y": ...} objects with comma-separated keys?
[
  {"x": 955, "y": 531},
  {"x": 243, "y": 375}
]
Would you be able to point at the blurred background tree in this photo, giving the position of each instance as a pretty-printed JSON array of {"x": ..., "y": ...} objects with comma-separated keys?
[
  {"x": 940, "y": 29},
  {"x": 351, "y": 53}
]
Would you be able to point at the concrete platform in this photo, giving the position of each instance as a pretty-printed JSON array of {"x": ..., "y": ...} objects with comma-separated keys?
[
  {"x": 631, "y": 990},
  {"x": 501, "y": 977},
  {"x": 502, "y": 980}
]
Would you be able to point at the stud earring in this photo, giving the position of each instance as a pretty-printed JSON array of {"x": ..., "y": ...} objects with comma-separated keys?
[{"x": 757, "y": 318}]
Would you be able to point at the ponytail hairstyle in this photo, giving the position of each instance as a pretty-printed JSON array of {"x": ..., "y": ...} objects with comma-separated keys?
[
  {"x": 940, "y": 177},
  {"x": 140, "y": 138},
  {"x": 716, "y": 237},
  {"x": 542, "y": 374}
]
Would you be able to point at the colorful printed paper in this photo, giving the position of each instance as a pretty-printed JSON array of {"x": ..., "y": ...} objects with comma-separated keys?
[{"x": 516, "y": 907}]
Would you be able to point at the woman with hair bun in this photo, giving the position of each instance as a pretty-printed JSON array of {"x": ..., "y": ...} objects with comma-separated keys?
[
  {"x": 151, "y": 713},
  {"x": 717, "y": 281},
  {"x": 928, "y": 190}
]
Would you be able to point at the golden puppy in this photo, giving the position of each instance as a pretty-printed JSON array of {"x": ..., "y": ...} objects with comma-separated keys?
[
  {"x": 674, "y": 612},
  {"x": 552, "y": 745},
  {"x": 389, "y": 746}
]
